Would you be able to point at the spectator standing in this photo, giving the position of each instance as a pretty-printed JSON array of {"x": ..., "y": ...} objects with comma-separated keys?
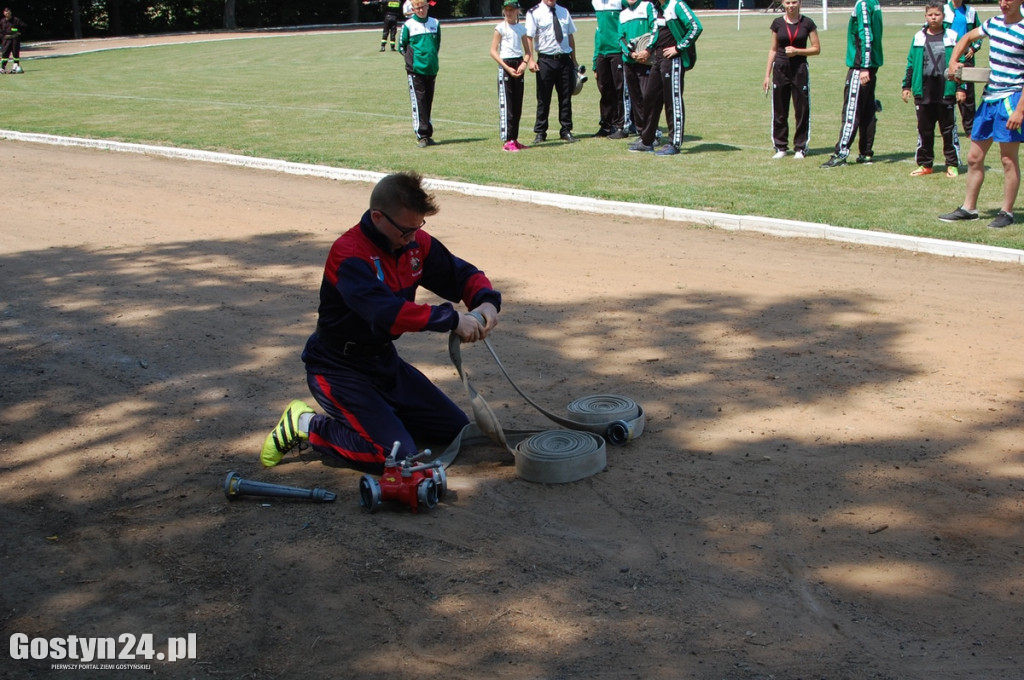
[
  {"x": 863, "y": 59},
  {"x": 672, "y": 53},
  {"x": 550, "y": 42},
  {"x": 391, "y": 9},
  {"x": 507, "y": 50},
  {"x": 961, "y": 17},
  {"x": 608, "y": 69},
  {"x": 635, "y": 21},
  {"x": 10, "y": 41},
  {"x": 794, "y": 38},
  {"x": 934, "y": 96},
  {"x": 420, "y": 44}
]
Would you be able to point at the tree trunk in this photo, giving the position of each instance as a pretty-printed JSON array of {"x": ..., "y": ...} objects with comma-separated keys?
[
  {"x": 76, "y": 19},
  {"x": 114, "y": 16},
  {"x": 229, "y": 15}
]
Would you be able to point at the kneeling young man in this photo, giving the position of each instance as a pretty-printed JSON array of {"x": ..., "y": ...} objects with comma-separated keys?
[{"x": 370, "y": 396}]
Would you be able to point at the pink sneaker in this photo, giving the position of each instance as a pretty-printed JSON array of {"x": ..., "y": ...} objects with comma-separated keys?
[
  {"x": 519, "y": 147},
  {"x": 510, "y": 146}
]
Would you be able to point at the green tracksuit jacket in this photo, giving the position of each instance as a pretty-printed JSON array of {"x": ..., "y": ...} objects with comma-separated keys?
[
  {"x": 913, "y": 79},
  {"x": 685, "y": 28},
  {"x": 864, "y": 35},
  {"x": 420, "y": 44},
  {"x": 634, "y": 21}
]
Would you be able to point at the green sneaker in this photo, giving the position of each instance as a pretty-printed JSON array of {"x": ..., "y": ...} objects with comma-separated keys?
[{"x": 286, "y": 436}]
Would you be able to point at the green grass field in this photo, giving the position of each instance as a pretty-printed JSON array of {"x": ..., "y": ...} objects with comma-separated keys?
[{"x": 335, "y": 100}]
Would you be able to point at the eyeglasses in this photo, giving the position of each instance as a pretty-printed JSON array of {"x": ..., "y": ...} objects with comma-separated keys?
[{"x": 404, "y": 230}]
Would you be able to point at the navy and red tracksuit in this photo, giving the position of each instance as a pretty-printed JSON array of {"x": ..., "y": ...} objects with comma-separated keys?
[{"x": 370, "y": 396}]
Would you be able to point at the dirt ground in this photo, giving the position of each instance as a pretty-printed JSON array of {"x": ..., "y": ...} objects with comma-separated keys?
[{"x": 830, "y": 485}]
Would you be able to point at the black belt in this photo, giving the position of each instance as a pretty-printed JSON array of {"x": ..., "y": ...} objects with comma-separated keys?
[
  {"x": 561, "y": 55},
  {"x": 353, "y": 349}
]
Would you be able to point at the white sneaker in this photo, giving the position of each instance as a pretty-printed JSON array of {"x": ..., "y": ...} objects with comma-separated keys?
[
  {"x": 778, "y": 155},
  {"x": 798, "y": 156}
]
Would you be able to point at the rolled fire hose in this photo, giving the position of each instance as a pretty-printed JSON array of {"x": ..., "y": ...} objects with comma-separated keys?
[{"x": 548, "y": 456}]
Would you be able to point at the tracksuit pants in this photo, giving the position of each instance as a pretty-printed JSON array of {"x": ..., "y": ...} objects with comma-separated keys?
[
  {"x": 379, "y": 401},
  {"x": 664, "y": 89},
  {"x": 510, "y": 101},
  {"x": 791, "y": 84},
  {"x": 635, "y": 77},
  {"x": 858, "y": 114},
  {"x": 556, "y": 73},
  {"x": 421, "y": 94},
  {"x": 942, "y": 113},
  {"x": 608, "y": 72}
]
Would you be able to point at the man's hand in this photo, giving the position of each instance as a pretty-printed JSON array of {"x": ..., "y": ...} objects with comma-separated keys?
[
  {"x": 470, "y": 329},
  {"x": 906, "y": 96},
  {"x": 490, "y": 315},
  {"x": 478, "y": 323}
]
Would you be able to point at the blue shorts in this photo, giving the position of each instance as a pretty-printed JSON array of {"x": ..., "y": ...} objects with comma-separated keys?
[{"x": 990, "y": 121}]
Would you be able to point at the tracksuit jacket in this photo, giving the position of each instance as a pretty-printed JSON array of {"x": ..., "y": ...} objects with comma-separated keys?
[
  {"x": 913, "y": 79},
  {"x": 606, "y": 37},
  {"x": 864, "y": 36},
  {"x": 685, "y": 27},
  {"x": 635, "y": 20},
  {"x": 368, "y": 292},
  {"x": 420, "y": 44},
  {"x": 971, "y": 15}
]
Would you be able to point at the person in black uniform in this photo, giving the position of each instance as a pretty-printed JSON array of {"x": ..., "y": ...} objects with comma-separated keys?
[
  {"x": 391, "y": 9},
  {"x": 10, "y": 34}
]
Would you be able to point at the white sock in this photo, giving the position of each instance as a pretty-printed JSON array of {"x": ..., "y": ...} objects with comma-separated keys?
[{"x": 304, "y": 422}]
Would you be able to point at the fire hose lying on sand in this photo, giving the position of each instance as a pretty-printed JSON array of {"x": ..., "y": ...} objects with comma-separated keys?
[{"x": 548, "y": 456}]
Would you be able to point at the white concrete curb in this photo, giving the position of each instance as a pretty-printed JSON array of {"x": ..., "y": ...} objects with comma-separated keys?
[{"x": 767, "y": 225}]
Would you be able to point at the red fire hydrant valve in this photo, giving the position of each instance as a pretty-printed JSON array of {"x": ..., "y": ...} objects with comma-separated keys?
[{"x": 418, "y": 486}]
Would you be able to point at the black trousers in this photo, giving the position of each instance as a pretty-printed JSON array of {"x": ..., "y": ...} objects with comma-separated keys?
[
  {"x": 791, "y": 84},
  {"x": 390, "y": 29},
  {"x": 664, "y": 89},
  {"x": 968, "y": 106},
  {"x": 942, "y": 113},
  {"x": 635, "y": 77},
  {"x": 510, "y": 101},
  {"x": 11, "y": 46},
  {"x": 858, "y": 113},
  {"x": 608, "y": 72},
  {"x": 556, "y": 73},
  {"x": 421, "y": 94}
]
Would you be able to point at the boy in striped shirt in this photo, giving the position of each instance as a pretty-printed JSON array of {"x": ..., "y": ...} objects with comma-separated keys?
[{"x": 1001, "y": 112}]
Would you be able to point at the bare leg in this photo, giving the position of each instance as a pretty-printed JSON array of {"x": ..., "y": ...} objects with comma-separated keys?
[
  {"x": 1011, "y": 172},
  {"x": 976, "y": 172}
]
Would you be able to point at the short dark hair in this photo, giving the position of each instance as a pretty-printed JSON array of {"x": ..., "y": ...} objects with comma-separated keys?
[
  {"x": 403, "y": 190},
  {"x": 934, "y": 3}
]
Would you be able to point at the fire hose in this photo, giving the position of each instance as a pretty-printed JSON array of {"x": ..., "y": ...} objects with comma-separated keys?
[{"x": 548, "y": 456}]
